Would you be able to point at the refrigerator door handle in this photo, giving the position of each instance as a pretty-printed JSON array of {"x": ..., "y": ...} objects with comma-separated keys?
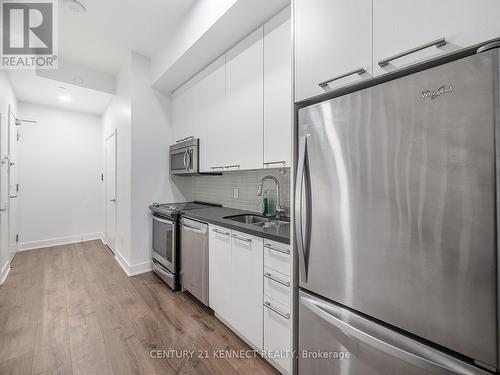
[
  {"x": 301, "y": 179},
  {"x": 421, "y": 356}
]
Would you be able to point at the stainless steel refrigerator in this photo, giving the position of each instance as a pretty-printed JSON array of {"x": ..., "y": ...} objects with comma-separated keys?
[{"x": 396, "y": 226}]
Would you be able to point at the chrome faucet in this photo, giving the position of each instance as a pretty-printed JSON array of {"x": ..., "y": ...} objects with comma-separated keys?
[{"x": 278, "y": 210}]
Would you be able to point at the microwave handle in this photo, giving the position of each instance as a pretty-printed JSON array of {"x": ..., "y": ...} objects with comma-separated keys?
[{"x": 186, "y": 154}]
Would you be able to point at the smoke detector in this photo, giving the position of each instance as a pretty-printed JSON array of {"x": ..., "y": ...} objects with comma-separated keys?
[{"x": 75, "y": 6}]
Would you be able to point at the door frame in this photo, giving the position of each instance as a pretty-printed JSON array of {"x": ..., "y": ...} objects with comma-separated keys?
[{"x": 113, "y": 134}]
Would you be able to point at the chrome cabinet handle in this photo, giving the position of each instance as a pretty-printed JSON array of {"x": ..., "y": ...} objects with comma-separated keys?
[
  {"x": 271, "y": 307},
  {"x": 13, "y": 196},
  {"x": 241, "y": 238},
  {"x": 221, "y": 167},
  {"x": 359, "y": 71},
  {"x": 438, "y": 43},
  {"x": 284, "y": 251},
  {"x": 112, "y": 200},
  {"x": 271, "y": 277},
  {"x": 220, "y": 232},
  {"x": 267, "y": 164},
  {"x": 184, "y": 139},
  {"x": 232, "y": 166}
]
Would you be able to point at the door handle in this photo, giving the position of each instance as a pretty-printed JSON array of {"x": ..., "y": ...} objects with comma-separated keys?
[
  {"x": 413, "y": 352},
  {"x": 273, "y": 278},
  {"x": 241, "y": 238},
  {"x": 272, "y": 308},
  {"x": 220, "y": 232},
  {"x": 184, "y": 160},
  {"x": 438, "y": 43},
  {"x": 284, "y": 251},
  {"x": 359, "y": 71},
  {"x": 302, "y": 241}
]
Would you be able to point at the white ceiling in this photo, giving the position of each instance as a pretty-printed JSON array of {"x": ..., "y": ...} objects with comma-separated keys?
[
  {"x": 35, "y": 89},
  {"x": 101, "y": 38}
]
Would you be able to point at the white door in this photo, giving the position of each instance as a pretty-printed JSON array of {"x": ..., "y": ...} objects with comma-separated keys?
[
  {"x": 4, "y": 183},
  {"x": 278, "y": 91},
  {"x": 13, "y": 184},
  {"x": 110, "y": 192},
  {"x": 219, "y": 271},
  {"x": 247, "y": 286},
  {"x": 402, "y": 25},
  {"x": 332, "y": 38}
]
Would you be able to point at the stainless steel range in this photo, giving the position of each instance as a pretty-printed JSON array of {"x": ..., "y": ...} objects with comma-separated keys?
[{"x": 166, "y": 254}]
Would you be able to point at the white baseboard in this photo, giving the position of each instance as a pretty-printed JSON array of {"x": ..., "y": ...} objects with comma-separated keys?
[
  {"x": 5, "y": 271},
  {"x": 133, "y": 269},
  {"x": 23, "y": 246}
]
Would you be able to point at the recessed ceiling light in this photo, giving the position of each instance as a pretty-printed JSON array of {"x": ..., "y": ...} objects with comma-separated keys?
[
  {"x": 64, "y": 98},
  {"x": 75, "y": 6}
]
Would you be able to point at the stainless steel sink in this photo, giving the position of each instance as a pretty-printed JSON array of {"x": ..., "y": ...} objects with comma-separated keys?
[
  {"x": 261, "y": 221},
  {"x": 248, "y": 219}
]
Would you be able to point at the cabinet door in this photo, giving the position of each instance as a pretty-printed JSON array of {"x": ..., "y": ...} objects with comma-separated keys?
[
  {"x": 244, "y": 99},
  {"x": 219, "y": 272},
  {"x": 210, "y": 114},
  {"x": 401, "y": 25},
  {"x": 247, "y": 262},
  {"x": 277, "y": 333},
  {"x": 332, "y": 38},
  {"x": 278, "y": 91}
]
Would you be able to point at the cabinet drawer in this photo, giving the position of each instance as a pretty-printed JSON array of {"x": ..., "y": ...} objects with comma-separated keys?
[
  {"x": 277, "y": 286},
  {"x": 277, "y": 333},
  {"x": 277, "y": 256}
]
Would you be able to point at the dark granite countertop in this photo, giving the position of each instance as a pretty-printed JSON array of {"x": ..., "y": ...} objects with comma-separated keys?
[{"x": 215, "y": 215}]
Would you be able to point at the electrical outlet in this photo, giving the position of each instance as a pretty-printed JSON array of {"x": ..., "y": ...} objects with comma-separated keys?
[{"x": 236, "y": 193}]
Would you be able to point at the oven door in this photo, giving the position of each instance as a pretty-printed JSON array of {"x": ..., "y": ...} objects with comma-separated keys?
[
  {"x": 164, "y": 243},
  {"x": 184, "y": 160}
]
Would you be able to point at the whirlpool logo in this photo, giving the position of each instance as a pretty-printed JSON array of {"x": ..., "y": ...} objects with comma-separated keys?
[{"x": 433, "y": 94}]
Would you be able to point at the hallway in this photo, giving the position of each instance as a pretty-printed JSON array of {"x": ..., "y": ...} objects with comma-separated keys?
[{"x": 72, "y": 310}]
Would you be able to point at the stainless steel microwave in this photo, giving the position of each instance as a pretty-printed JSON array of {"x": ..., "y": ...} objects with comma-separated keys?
[{"x": 184, "y": 156}]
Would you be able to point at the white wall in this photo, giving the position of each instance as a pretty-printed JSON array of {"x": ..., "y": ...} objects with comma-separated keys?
[
  {"x": 151, "y": 137},
  {"x": 7, "y": 98},
  {"x": 61, "y": 194},
  {"x": 118, "y": 117},
  {"x": 200, "y": 18}
]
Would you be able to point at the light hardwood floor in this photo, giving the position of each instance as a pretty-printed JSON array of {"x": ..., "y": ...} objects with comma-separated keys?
[{"x": 72, "y": 310}]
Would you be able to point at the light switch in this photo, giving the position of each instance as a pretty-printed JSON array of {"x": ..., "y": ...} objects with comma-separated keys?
[{"x": 236, "y": 193}]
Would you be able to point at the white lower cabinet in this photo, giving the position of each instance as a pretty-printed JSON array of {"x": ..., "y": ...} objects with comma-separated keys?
[
  {"x": 252, "y": 292},
  {"x": 278, "y": 305},
  {"x": 247, "y": 286},
  {"x": 235, "y": 282},
  {"x": 219, "y": 274},
  {"x": 277, "y": 334}
]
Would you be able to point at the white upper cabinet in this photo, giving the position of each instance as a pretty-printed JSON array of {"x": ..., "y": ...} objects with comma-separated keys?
[
  {"x": 209, "y": 110},
  {"x": 402, "y": 25},
  {"x": 278, "y": 90},
  {"x": 243, "y": 136},
  {"x": 333, "y": 38}
]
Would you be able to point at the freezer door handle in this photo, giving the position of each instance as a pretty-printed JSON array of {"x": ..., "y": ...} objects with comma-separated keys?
[
  {"x": 302, "y": 216},
  {"x": 408, "y": 350}
]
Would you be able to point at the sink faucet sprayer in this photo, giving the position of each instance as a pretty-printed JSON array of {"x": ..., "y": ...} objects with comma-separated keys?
[{"x": 279, "y": 210}]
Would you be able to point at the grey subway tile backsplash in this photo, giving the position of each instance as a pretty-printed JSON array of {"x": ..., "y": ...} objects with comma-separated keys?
[{"x": 219, "y": 189}]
